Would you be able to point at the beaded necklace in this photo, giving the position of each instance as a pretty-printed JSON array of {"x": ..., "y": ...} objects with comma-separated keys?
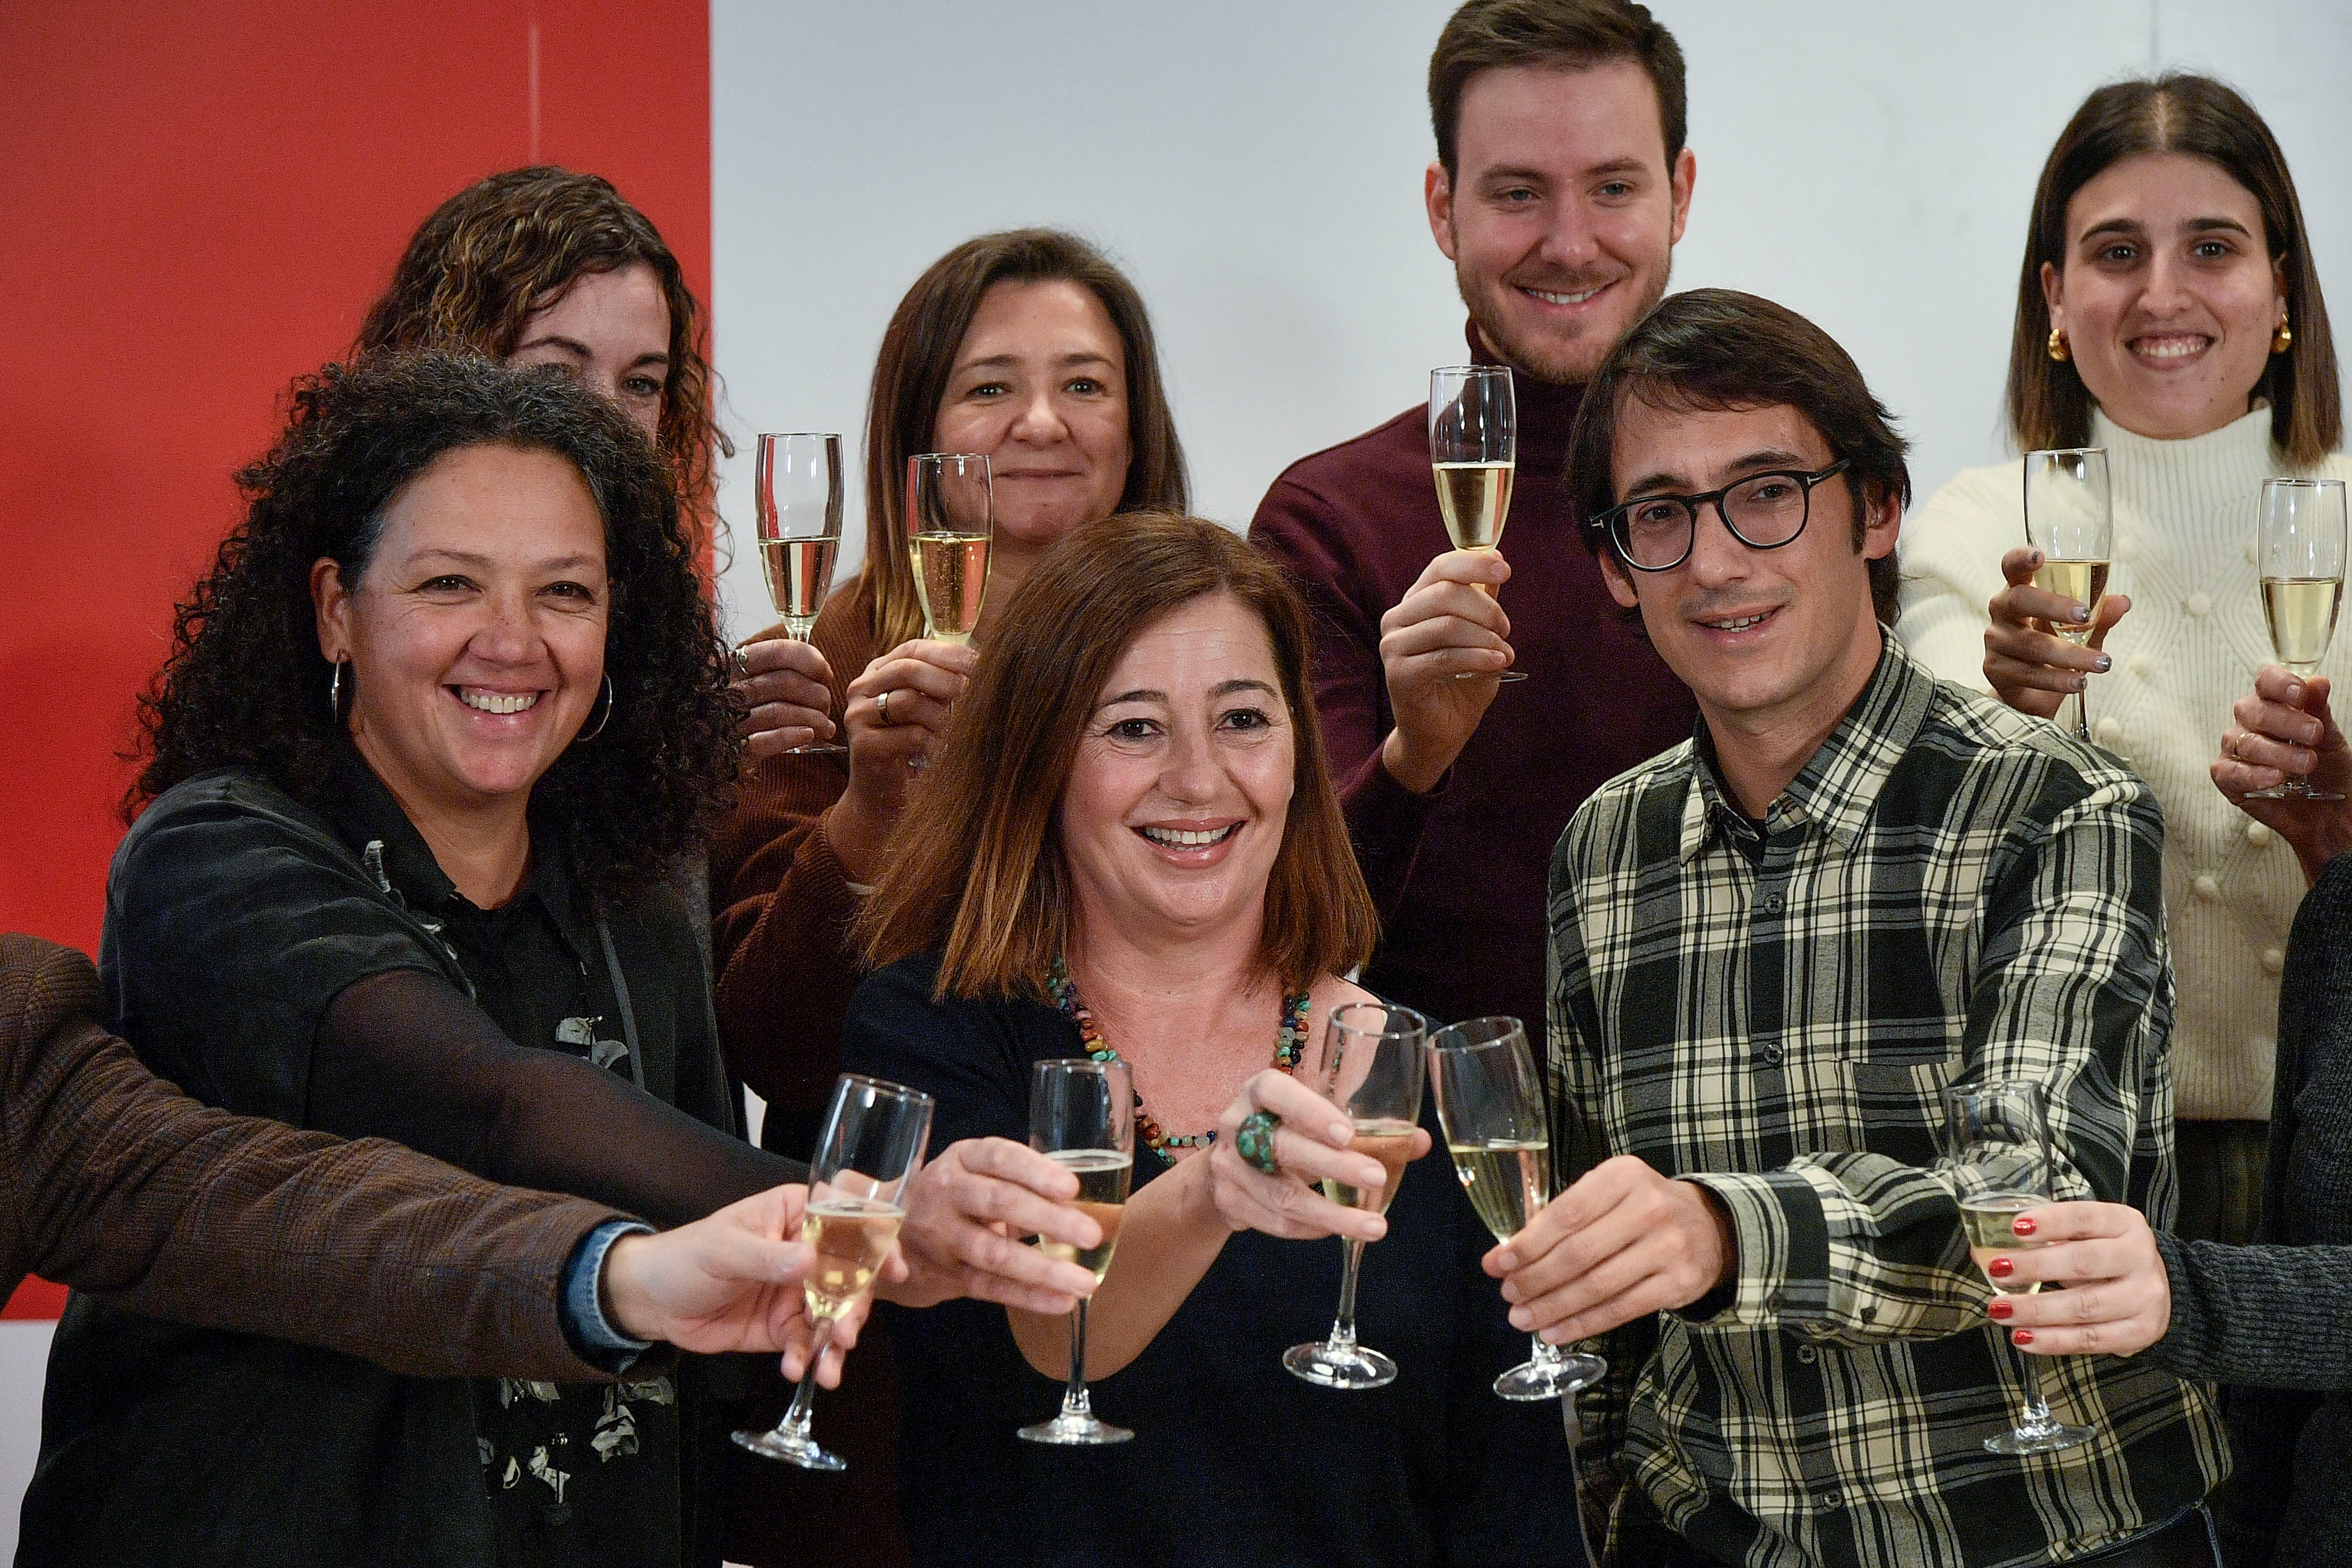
[{"x": 1289, "y": 1044}]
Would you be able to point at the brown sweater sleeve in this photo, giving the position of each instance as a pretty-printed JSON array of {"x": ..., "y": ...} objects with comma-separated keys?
[
  {"x": 781, "y": 907},
  {"x": 118, "y": 1184}
]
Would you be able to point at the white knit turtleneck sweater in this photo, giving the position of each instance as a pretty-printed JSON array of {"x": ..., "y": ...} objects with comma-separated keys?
[{"x": 2189, "y": 649}]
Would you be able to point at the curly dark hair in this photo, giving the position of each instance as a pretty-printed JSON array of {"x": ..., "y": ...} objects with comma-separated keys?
[
  {"x": 507, "y": 245},
  {"x": 245, "y": 685}
]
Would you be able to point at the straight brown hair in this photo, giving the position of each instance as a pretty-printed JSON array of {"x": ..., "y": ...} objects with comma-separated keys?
[
  {"x": 2048, "y": 405},
  {"x": 976, "y": 867},
  {"x": 910, "y": 377},
  {"x": 1567, "y": 35},
  {"x": 1719, "y": 349}
]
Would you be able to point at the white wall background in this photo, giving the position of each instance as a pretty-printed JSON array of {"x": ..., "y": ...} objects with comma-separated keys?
[{"x": 1257, "y": 166}]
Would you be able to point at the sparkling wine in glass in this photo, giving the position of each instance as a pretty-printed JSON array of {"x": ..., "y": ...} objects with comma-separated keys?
[
  {"x": 1082, "y": 1117},
  {"x": 2000, "y": 1143},
  {"x": 797, "y": 493},
  {"x": 2302, "y": 549},
  {"x": 2070, "y": 517},
  {"x": 951, "y": 518},
  {"x": 1371, "y": 1067},
  {"x": 1491, "y": 1105},
  {"x": 870, "y": 1149},
  {"x": 1474, "y": 442}
]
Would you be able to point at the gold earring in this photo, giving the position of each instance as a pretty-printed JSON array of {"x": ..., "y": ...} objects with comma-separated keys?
[
  {"x": 2058, "y": 344},
  {"x": 2283, "y": 339}
]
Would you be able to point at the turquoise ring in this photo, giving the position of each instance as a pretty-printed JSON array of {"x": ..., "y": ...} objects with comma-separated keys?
[{"x": 1253, "y": 1141}]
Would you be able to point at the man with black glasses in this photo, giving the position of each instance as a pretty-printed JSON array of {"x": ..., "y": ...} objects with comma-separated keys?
[{"x": 1775, "y": 947}]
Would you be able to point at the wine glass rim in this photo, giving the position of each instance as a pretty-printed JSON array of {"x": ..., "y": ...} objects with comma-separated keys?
[
  {"x": 883, "y": 1087},
  {"x": 1502, "y": 371},
  {"x": 2288, "y": 482},
  {"x": 800, "y": 435},
  {"x": 1075, "y": 1064},
  {"x": 2066, "y": 452},
  {"x": 1414, "y": 1024},
  {"x": 1504, "y": 1029},
  {"x": 1994, "y": 1086},
  {"x": 978, "y": 458}
]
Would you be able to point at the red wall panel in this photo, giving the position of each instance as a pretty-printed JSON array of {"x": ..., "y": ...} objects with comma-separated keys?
[{"x": 196, "y": 204}]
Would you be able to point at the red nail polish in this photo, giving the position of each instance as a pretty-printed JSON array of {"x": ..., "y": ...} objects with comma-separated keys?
[
  {"x": 2000, "y": 1267},
  {"x": 2021, "y": 1336},
  {"x": 1999, "y": 1308},
  {"x": 2023, "y": 1225}
]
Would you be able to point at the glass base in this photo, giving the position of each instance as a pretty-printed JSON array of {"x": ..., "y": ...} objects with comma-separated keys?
[
  {"x": 1074, "y": 1430},
  {"x": 823, "y": 748},
  {"x": 2038, "y": 1439},
  {"x": 2287, "y": 793},
  {"x": 1507, "y": 677},
  {"x": 777, "y": 1443},
  {"x": 1339, "y": 1366},
  {"x": 1532, "y": 1381}
]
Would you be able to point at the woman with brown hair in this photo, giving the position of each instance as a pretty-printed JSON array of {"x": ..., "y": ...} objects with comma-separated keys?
[
  {"x": 545, "y": 267},
  {"x": 1128, "y": 845},
  {"x": 2167, "y": 311},
  {"x": 1031, "y": 348}
]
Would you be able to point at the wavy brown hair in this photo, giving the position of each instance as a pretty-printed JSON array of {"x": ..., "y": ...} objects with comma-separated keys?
[
  {"x": 2049, "y": 405},
  {"x": 245, "y": 685},
  {"x": 910, "y": 380},
  {"x": 506, "y": 246},
  {"x": 976, "y": 867}
]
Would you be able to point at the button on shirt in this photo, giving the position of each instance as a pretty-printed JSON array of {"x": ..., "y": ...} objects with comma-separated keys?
[{"x": 1947, "y": 892}]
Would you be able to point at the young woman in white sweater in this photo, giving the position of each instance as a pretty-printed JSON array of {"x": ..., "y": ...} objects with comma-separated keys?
[{"x": 2168, "y": 312}]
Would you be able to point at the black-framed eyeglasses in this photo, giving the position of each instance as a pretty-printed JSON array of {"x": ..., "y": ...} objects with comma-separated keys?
[{"x": 1763, "y": 511}]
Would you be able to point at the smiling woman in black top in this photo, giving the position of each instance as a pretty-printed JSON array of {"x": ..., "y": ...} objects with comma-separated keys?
[
  {"x": 1131, "y": 805},
  {"x": 436, "y": 728}
]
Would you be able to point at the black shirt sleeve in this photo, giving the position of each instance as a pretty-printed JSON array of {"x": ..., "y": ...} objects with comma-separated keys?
[{"x": 403, "y": 1055}]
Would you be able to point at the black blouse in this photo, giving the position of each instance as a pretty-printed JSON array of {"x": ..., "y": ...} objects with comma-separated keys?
[
  {"x": 317, "y": 966},
  {"x": 1234, "y": 1460}
]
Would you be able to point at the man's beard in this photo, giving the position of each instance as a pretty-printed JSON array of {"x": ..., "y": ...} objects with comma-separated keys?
[{"x": 1561, "y": 364}]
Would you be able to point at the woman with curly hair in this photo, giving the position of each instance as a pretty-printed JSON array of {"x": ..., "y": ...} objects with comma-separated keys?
[
  {"x": 433, "y": 730},
  {"x": 549, "y": 269}
]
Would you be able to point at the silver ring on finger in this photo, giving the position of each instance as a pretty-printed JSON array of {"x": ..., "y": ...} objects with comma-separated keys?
[
  {"x": 882, "y": 710},
  {"x": 742, "y": 664}
]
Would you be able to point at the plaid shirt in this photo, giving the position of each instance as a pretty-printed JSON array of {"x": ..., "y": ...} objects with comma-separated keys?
[{"x": 1947, "y": 893}]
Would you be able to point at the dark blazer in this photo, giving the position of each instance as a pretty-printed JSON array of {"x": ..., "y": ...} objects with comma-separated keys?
[{"x": 114, "y": 1182}]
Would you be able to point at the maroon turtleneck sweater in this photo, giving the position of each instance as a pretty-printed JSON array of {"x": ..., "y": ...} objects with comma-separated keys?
[{"x": 1459, "y": 873}]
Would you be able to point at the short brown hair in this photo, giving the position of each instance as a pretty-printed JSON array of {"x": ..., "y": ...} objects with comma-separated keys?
[
  {"x": 1719, "y": 349},
  {"x": 910, "y": 377},
  {"x": 505, "y": 246},
  {"x": 2048, "y": 405},
  {"x": 976, "y": 868},
  {"x": 1567, "y": 35}
]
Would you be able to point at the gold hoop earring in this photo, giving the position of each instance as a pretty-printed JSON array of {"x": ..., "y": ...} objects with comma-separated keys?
[
  {"x": 2058, "y": 350},
  {"x": 335, "y": 694},
  {"x": 2283, "y": 339},
  {"x": 593, "y": 733}
]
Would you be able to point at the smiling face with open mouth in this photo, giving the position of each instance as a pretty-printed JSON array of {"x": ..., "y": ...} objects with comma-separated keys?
[
  {"x": 476, "y": 634},
  {"x": 1176, "y": 802},
  {"x": 1773, "y": 642},
  {"x": 1562, "y": 214},
  {"x": 2169, "y": 294}
]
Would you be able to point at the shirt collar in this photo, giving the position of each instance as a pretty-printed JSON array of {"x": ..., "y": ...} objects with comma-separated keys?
[
  {"x": 366, "y": 811},
  {"x": 1839, "y": 785}
]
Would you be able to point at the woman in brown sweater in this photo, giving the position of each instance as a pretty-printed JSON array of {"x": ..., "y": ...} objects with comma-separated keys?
[{"x": 1030, "y": 347}]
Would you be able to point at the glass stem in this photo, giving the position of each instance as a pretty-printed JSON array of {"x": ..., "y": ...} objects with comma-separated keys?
[
  {"x": 1343, "y": 1327},
  {"x": 795, "y": 1423},
  {"x": 2037, "y": 1416},
  {"x": 1545, "y": 1355},
  {"x": 2082, "y": 713},
  {"x": 1074, "y": 1398}
]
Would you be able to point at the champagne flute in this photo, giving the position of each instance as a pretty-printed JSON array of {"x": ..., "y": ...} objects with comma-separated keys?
[
  {"x": 2000, "y": 1135},
  {"x": 796, "y": 489},
  {"x": 1492, "y": 1109},
  {"x": 2070, "y": 517},
  {"x": 1082, "y": 1117},
  {"x": 950, "y": 517},
  {"x": 871, "y": 1144},
  {"x": 2302, "y": 549},
  {"x": 1474, "y": 438},
  {"x": 1371, "y": 1067}
]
